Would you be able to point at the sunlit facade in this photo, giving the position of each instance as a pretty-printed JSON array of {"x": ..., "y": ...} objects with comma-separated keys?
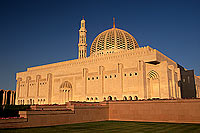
[{"x": 117, "y": 69}]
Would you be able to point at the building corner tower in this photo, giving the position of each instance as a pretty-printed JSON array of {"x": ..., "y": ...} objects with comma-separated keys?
[{"x": 82, "y": 46}]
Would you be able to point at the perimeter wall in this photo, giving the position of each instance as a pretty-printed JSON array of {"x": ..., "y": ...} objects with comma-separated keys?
[
  {"x": 176, "y": 111},
  {"x": 80, "y": 114}
]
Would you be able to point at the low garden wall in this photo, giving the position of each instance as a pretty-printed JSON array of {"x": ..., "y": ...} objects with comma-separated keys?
[
  {"x": 12, "y": 120},
  {"x": 178, "y": 111},
  {"x": 55, "y": 117}
]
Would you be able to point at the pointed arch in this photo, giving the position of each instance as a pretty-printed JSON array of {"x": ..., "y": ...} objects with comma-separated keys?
[
  {"x": 66, "y": 84},
  {"x": 136, "y": 98},
  {"x": 130, "y": 98},
  {"x": 109, "y": 98},
  {"x": 66, "y": 91},
  {"x": 125, "y": 98},
  {"x": 153, "y": 74},
  {"x": 104, "y": 99},
  {"x": 153, "y": 84},
  {"x": 115, "y": 98}
]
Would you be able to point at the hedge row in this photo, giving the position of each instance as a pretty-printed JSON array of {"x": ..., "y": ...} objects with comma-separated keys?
[{"x": 12, "y": 110}]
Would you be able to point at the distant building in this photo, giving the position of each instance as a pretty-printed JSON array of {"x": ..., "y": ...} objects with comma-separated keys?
[
  {"x": 117, "y": 69},
  {"x": 187, "y": 83},
  {"x": 197, "y": 85},
  {"x": 7, "y": 97}
]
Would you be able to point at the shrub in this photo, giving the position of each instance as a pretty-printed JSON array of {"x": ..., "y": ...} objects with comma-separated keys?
[{"x": 12, "y": 110}]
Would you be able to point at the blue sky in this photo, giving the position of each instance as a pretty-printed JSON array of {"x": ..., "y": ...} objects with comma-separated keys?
[{"x": 37, "y": 32}]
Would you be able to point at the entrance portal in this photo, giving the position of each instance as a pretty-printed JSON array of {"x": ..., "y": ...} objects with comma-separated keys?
[
  {"x": 65, "y": 89},
  {"x": 153, "y": 84}
]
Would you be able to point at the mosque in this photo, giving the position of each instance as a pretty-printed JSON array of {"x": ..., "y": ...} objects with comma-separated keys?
[{"x": 116, "y": 69}]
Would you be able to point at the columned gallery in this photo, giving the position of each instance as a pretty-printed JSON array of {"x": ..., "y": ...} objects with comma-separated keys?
[{"x": 7, "y": 97}]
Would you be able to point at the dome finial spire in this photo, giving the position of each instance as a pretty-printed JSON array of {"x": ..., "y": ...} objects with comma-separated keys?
[
  {"x": 113, "y": 22},
  {"x": 83, "y": 18}
]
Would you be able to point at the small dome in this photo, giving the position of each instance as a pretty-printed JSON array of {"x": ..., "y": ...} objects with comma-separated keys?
[{"x": 113, "y": 40}]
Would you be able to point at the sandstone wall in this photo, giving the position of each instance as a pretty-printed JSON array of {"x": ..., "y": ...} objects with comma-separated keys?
[
  {"x": 178, "y": 111},
  {"x": 49, "y": 118}
]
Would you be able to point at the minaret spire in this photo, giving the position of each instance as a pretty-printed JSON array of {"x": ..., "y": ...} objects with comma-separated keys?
[
  {"x": 113, "y": 22},
  {"x": 82, "y": 40}
]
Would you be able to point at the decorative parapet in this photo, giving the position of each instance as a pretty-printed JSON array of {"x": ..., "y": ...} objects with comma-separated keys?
[{"x": 98, "y": 57}]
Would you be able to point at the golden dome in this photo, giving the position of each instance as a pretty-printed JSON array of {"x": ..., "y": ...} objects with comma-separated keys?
[{"x": 113, "y": 40}]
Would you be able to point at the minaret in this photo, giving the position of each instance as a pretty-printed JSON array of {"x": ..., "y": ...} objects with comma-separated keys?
[{"x": 82, "y": 46}]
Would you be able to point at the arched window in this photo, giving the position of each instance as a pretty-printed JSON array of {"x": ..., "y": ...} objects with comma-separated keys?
[
  {"x": 31, "y": 101},
  {"x": 115, "y": 98},
  {"x": 130, "y": 98},
  {"x": 104, "y": 99},
  {"x": 125, "y": 98},
  {"x": 136, "y": 98},
  {"x": 109, "y": 98}
]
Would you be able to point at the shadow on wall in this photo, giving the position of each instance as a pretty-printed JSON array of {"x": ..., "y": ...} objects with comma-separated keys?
[{"x": 12, "y": 110}]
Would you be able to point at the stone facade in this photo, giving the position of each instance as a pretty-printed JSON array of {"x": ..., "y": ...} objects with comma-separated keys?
[{"x": 117, "y": 69}]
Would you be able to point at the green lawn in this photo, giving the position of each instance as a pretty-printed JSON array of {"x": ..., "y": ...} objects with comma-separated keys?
[{"x": 114, "y": 126}]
